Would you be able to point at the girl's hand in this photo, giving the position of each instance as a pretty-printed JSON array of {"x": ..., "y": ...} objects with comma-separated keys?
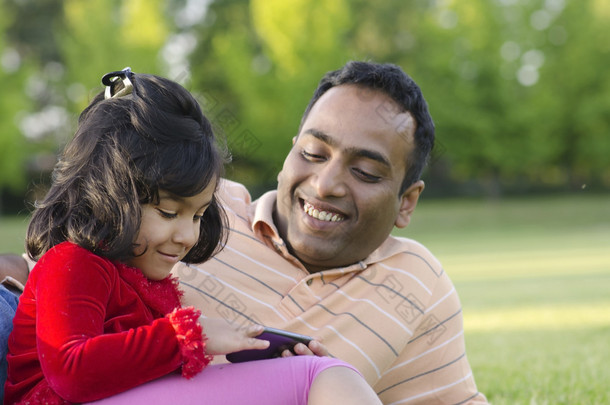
[
  {"x": 224, "y": 338},
  {"x": 315, "y": 348}
]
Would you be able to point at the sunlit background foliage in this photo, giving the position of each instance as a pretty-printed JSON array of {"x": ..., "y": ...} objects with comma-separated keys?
[
  {"x": 520, "y": 94},
  {"x": 519, "y": 90}
]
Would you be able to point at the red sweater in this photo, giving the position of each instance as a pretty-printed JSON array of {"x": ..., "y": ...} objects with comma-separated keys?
[{"x": 87, "y": 328}]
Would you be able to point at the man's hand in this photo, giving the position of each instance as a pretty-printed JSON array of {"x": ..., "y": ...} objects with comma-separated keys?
[
  {"x": 14, "y": 266},
  {"x": 224, "y": 338},
  {"x": 315, "y": 348}
]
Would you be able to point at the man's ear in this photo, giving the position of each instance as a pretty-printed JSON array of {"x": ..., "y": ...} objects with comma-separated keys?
[{"x": 408, "y": 202}]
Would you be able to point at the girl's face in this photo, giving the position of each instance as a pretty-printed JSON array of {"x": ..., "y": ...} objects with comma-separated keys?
[{"x": 168, "y": 231}]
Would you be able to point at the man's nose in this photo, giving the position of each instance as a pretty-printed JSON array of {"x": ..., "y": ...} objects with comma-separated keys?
[{"x": 329, "y": 181}]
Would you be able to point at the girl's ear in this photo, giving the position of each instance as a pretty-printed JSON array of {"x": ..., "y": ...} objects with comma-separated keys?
[{"x": 408, "y": 202}]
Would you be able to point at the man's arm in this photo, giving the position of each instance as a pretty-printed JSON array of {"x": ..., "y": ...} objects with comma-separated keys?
[
  {"x": 14, "y": 266},
  {"x": 433, "y": 367}
]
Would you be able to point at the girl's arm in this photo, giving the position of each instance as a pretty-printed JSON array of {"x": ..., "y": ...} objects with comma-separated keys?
[
  {"x": 79, "y": 299},
  {"x": 79, "y": 360}
]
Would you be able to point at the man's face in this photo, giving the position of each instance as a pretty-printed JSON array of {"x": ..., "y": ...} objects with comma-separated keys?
[{"x": 338, "y": 192}]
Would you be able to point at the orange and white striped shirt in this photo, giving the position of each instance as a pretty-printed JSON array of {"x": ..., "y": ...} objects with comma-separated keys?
[{"x": 395, "y": 315}]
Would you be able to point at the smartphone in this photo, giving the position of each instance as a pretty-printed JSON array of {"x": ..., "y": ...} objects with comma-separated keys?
[{"x": 279, "y": 340}]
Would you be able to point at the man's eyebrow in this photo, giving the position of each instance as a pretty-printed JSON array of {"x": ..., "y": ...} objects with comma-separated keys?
[
  {"x": 359, "y": 152},
  {"x": 371, "y": 154},
  {"x": 316, "y": 133}
]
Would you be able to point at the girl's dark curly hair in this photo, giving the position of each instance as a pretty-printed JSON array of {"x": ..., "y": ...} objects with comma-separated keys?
[{"x": 124, "y": 151}]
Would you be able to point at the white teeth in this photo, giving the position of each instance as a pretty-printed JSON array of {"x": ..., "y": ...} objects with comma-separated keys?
[{"x": 321, "y": 215}]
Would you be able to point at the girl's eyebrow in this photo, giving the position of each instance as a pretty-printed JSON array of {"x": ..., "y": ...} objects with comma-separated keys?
[
  {"x": 181, "y": 200},
  {"x": 207, "y": 204}
]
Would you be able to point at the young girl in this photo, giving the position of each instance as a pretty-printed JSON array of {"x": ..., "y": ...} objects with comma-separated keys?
[{"x": 132, "y": 194}]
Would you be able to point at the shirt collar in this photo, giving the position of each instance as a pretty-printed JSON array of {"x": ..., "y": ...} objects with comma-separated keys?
[
  {"x": 263, "y": 226},
  {"x": 262, "y": 216}
]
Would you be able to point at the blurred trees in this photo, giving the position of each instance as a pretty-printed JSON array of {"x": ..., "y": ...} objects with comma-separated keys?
[
  {"x": 518, "y": 89},
  {"x": 52, "y": 59},
  {"x": 262, "y": 61},
  {"x": 14, "y": 75}
]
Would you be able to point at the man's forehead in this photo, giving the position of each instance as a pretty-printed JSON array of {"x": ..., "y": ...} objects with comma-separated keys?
[
  {"x": 362, "y": 110},
  {"x": 366, "y": 99}
]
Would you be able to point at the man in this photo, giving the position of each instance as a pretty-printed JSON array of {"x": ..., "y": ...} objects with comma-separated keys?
[{"x": 316, "y": 256}]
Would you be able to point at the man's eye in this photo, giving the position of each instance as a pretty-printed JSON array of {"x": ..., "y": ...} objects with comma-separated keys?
[
  {"x": 367, "y": 177},
  {"x": 311, "y": 156},
  {"x": 166, "y": 214}
]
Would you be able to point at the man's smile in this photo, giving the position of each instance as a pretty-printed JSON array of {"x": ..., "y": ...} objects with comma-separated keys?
[{"x": 320, "y": 214}]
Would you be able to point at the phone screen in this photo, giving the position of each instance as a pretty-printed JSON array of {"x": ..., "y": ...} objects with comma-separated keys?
[{"x": 279, "y": 340}]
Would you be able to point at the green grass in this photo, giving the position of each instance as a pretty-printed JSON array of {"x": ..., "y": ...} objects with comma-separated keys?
[
  {"x": 12, "y": 234},
  {"x": 534, "y": 280}
]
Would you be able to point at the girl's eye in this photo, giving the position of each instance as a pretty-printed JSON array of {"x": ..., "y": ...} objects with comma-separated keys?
[
  {"x": 197, "y": 218},
  {"x": 165, "y": 214}
]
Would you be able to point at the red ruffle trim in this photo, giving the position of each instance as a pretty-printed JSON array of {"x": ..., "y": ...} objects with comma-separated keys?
[
  {"x": 161, "y": 296},
  {"x": 191, "y": 340}
]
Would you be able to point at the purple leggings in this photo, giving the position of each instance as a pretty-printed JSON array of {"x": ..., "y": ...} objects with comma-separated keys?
[{"x": 276, "y": 381}]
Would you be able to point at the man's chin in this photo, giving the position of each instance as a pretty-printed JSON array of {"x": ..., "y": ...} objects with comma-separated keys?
[
  {"x": 317, "y": 267},
  {"x": 318, "y": 260}
]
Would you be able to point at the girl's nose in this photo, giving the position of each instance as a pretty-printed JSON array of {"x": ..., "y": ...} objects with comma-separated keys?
[{"x": 186, "y": 233}]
